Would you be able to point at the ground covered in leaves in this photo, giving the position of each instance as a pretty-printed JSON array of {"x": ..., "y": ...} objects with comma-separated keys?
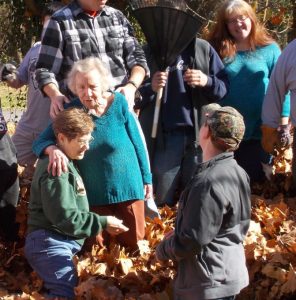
[{"x": 114, "y": 275}]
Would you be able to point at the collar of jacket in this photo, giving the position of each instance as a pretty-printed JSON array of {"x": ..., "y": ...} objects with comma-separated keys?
[
  {"x": 216, "y": 159},
  {"x": 77, "y": 9}
]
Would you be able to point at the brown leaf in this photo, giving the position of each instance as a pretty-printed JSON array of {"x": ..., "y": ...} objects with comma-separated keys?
[{"x": 290, "y": 285}]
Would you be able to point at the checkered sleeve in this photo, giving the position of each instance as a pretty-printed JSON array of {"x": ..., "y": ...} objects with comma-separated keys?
[
  {"x": 132, "y": 50},
  {"x": 51, "y": 56}
]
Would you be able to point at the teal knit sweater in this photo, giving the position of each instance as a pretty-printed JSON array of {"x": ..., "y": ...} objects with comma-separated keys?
[
  {"x": 248, "y": 75},
  {"x": 116, "y": 166}
]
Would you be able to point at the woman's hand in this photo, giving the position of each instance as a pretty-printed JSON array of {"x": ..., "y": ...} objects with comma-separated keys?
[
  {"x": 169, "y": 234},
  {"x": 148, "y": 191},
  {"x": 195, "y": 78},
  {"x": 58, "y": 161},
  {"x": 159, "y": 80},
  {"x": 115, "y": 226}
]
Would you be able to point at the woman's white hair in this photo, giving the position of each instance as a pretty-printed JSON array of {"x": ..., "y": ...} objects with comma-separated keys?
[{"x": 84, "y": 66}]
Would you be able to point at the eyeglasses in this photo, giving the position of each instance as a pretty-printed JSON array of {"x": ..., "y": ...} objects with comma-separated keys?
[
  {"x": 239, "y": 19},
  {"x": 85, "y": 142}
]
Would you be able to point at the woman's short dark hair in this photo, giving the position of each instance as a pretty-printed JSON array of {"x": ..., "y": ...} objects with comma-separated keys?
[{"x": 73, "y": 122}]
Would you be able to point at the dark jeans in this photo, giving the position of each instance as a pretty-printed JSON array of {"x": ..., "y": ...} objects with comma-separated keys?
[
  {"x": 9, "y": 186},
  {"x": 249, "y": 156},
  {"x": 9, "y": 193},
  {"x": 178, "y": 152}
]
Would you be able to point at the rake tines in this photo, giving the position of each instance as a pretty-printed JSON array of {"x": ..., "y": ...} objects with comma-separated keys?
[{"x": 179, "y": 4}]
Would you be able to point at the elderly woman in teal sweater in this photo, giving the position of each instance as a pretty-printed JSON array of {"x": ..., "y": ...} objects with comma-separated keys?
[
  {"x": 249, "y": 55},
  {"x": 116, "y": 169}
]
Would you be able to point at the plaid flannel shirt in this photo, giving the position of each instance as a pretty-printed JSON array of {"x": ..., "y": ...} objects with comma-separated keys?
[{"x": 71, "y": 35}]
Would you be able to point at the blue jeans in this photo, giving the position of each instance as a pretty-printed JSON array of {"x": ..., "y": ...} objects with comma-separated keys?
[
  {"x": 167, "y": 176},
  {"x": 50, "y": 255}
]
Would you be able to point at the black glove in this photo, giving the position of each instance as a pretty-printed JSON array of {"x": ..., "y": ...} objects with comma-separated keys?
[
  {"x": 7, "y": 72},
  {"x": 284, "y": 135}
]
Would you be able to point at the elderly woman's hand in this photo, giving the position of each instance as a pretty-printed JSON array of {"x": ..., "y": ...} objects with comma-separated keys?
[
  {"x": 195, "y": 78},
  {"x": 58, "y": 161},
  {"x": 115, "y": 226},
  {"x": 148, "y": 191}
]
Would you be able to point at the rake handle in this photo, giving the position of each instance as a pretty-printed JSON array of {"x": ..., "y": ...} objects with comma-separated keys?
[{"x": 156, "y": 113}]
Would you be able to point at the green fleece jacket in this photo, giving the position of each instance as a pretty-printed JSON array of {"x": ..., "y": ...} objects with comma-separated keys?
[{"x": 59, "y": 204}]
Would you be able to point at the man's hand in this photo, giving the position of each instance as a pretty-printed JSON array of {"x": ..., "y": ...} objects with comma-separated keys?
[
  {"x": 8, "y": 72},
  {"x": 159, "y": 80},
  {"x": 195, "y": 78},
  {"x": 57, "y": 105},
  {"x": 58, "y": 161},
  {"x": 115, "y": 226},
  {"x": 57, "y": 99},
  {"x": 129, "y": 91}
]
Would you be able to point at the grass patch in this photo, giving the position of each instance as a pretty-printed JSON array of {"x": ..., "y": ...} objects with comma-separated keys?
[
  {"x": 13, "y": 101},
  {"x": 11, "y": 98}
]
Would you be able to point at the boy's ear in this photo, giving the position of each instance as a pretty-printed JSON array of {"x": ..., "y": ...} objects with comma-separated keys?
[{"x": 207, "y": 131}]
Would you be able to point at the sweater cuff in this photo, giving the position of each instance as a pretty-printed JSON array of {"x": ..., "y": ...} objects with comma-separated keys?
[
  {"x": 39, "y": 149},
  {"x": 147, "y": 178},
  {"x": 209, "y": 82}
]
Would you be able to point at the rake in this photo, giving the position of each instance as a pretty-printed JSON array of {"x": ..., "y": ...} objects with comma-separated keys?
[{"x": 169, "y": 26}]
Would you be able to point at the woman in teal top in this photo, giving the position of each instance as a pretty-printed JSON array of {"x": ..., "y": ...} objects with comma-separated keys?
[
  {"x": 115, "y": 170},
  {"x": 249, "y": 55}
]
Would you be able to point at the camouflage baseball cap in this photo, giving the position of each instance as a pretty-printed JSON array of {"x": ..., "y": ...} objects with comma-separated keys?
[{"x": 226, "y": 124}]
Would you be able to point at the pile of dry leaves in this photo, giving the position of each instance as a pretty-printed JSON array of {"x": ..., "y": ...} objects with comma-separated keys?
[{"x": 106, "y": 275}]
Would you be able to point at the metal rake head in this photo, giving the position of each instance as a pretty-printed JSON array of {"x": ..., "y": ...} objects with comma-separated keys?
[
  {"x": 178, "y": 4},
  {"x": 168, "y": 25}
]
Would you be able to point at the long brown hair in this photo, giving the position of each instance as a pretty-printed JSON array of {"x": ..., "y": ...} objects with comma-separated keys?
[{"x": 220, "y": 38}]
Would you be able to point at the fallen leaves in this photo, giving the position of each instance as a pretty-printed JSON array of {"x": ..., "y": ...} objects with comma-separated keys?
[{"x": 270, "y": 248}]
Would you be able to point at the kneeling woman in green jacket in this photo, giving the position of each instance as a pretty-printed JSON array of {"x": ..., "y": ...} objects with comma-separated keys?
[{"x": 59, "y": 218}]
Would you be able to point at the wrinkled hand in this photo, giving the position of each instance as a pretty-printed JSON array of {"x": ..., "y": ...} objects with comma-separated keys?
[
  {"x": 284, "y": 135},
  {"x": 115, "y": 226},
  {"x": 169, "y": 234},
  {"x": 57, "y": 104},
  {"x": 159, "y": 80},
  {"x": 195, "y": 78},
  {"x": 58, "y": 161},
  {"x": 129, "y": 92},
  {"x": 148, "y": 191},
  {"x": 100, "y": 240},
  {"x": 8, "y": 72}
]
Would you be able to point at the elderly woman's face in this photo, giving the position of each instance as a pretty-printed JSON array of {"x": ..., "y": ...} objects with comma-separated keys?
[{"x": 88, "y": 88}]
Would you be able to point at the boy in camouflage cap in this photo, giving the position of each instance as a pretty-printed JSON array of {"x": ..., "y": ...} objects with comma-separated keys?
[
  {"x": 226, "y": 124},
  {"x": 213, "y": 215}
]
